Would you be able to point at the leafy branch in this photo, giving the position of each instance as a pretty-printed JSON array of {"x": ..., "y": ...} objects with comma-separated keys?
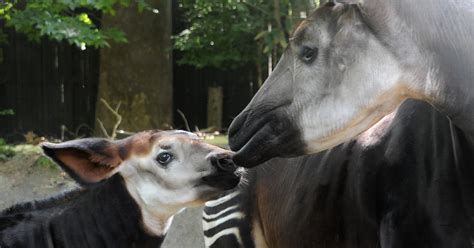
[
  {"x": 228, "y": 33},
  {"x": 66, "y": 20}
]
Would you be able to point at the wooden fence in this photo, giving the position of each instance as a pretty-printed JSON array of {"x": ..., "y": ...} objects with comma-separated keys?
[
  {"x": 50, "y": 86},
  {"x": 190, "y": 85},
  {"x": 191, "y": 89}
]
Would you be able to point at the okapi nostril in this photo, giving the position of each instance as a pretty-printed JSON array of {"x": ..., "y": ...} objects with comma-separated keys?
[{"x": 226, "y": 164}]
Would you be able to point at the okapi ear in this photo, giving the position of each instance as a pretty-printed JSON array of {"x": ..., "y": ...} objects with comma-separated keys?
[{"x": 86, "y": 160}]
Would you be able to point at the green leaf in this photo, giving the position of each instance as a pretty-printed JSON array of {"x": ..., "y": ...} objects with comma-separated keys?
[
  {"x": 7, "y": 112},
  {"x": 237, "y": 28},
  {"x": 61, "y": 20},
  {"x": 83, "y": 17},
  {"x": 260, "y": 35}
]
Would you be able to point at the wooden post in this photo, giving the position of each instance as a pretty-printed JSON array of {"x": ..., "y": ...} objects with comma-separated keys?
[{"x": 214, "y": 107}]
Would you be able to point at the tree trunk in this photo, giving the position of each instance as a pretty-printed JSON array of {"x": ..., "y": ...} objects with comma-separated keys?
[
  {"x": 214, "y": 107},
  {"x": 138, "y": 73}
]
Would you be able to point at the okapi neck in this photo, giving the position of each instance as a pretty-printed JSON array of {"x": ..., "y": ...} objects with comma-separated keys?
[
  {"x": 108, "y": 212},
  {"x": 116, "y": 198},
  {"x": 103, "y": 215},
  {"x": 458, "y": 106}
]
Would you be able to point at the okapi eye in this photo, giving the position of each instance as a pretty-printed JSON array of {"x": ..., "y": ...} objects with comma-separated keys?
[
  {"x": 164, "y": 158},
  {"x": 308, "y": 54}
]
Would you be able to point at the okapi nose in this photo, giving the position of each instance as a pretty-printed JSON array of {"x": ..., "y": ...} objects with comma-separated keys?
[
  {"x": 223, "y": 162},
  {"x": 235, "y": 140}
]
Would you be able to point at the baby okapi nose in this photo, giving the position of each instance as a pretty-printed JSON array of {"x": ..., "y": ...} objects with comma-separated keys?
[{"x": 223, "y": 162}]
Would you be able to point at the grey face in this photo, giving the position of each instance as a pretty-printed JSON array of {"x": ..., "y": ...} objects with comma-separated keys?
[{"x": 331, "y": 84}]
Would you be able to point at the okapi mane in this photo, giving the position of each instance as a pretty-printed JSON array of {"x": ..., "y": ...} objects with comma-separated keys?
[{"x": 55, "y": 201}]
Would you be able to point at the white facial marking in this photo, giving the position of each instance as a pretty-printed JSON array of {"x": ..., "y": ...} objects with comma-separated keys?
[
  {"x": 332, "y": 116},
  {"x": 433, "y": 85},
  {"x": 161, "y": 191}
]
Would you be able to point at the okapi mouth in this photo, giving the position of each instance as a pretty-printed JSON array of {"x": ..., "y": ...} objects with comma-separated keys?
[
  {"x": 226, "y": 175},
  {"x": 241, "y": 131},
  {"x": 222, "y": 180},
  {"x": 256, "y": 140}
]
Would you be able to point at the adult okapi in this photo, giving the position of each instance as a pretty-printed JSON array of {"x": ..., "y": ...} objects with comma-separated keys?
[
  {"x": 406, "y": 182},
  {"x": 351, "y": 63}
]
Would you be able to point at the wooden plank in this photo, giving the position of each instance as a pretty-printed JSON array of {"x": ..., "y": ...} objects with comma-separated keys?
[
  {"x": 33, "y": 75},
  {"x": 190, "y": 92}
]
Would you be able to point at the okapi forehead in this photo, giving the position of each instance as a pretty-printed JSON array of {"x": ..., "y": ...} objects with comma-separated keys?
[
  {"x": 170, "y": 138},
  {"x": 328, "y": 14},
  {"x": 138, "y": 144},
  {"x": 142, "y": 143}
]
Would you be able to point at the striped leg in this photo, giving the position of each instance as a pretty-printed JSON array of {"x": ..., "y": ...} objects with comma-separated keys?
[{"x": 227, "y": 223}]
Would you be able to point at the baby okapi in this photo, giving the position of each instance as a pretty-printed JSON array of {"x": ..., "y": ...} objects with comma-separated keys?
[{"x": 132, "y": 189}]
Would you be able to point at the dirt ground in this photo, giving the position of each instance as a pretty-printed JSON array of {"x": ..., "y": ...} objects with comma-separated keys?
[{"x": 28, "y": 176}]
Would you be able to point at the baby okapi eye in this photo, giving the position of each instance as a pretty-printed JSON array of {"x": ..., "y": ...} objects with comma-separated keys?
[
  {"x": 164, "y": 158},
  {"x": 308, "y": 54}
]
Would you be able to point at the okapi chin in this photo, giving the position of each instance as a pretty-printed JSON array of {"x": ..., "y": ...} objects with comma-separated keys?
[{"x": 131, "y": 190}]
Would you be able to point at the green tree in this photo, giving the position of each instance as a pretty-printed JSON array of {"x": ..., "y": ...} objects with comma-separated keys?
[
  {"x": 64, "y": 20},
  {"x": 231, "y": 33}
]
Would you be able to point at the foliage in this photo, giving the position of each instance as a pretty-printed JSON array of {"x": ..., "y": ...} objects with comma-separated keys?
[
  {"x": 65, "y": 20},
  {"x": 220, "y": 33},
  {"x": 6, "y": 112},
  {"x": 6, "y": 150},
  {"x": 230, "y": 33},
  {"x": 45, "y": 162}
]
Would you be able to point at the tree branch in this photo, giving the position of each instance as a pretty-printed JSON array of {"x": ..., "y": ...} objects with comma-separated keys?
[
  {"x": 102, "y": 128},
  {"x": 113, "y": 135},
  {"x": 184, "y": 119}
]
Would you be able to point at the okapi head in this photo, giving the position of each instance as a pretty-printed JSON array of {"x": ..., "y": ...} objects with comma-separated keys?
[
  {"x": 164, "y": 171},
  {"x": 334, "y": 81}
]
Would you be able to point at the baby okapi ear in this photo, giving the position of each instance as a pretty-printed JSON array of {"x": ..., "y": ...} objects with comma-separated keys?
[{"x": 86, "y": 160}]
